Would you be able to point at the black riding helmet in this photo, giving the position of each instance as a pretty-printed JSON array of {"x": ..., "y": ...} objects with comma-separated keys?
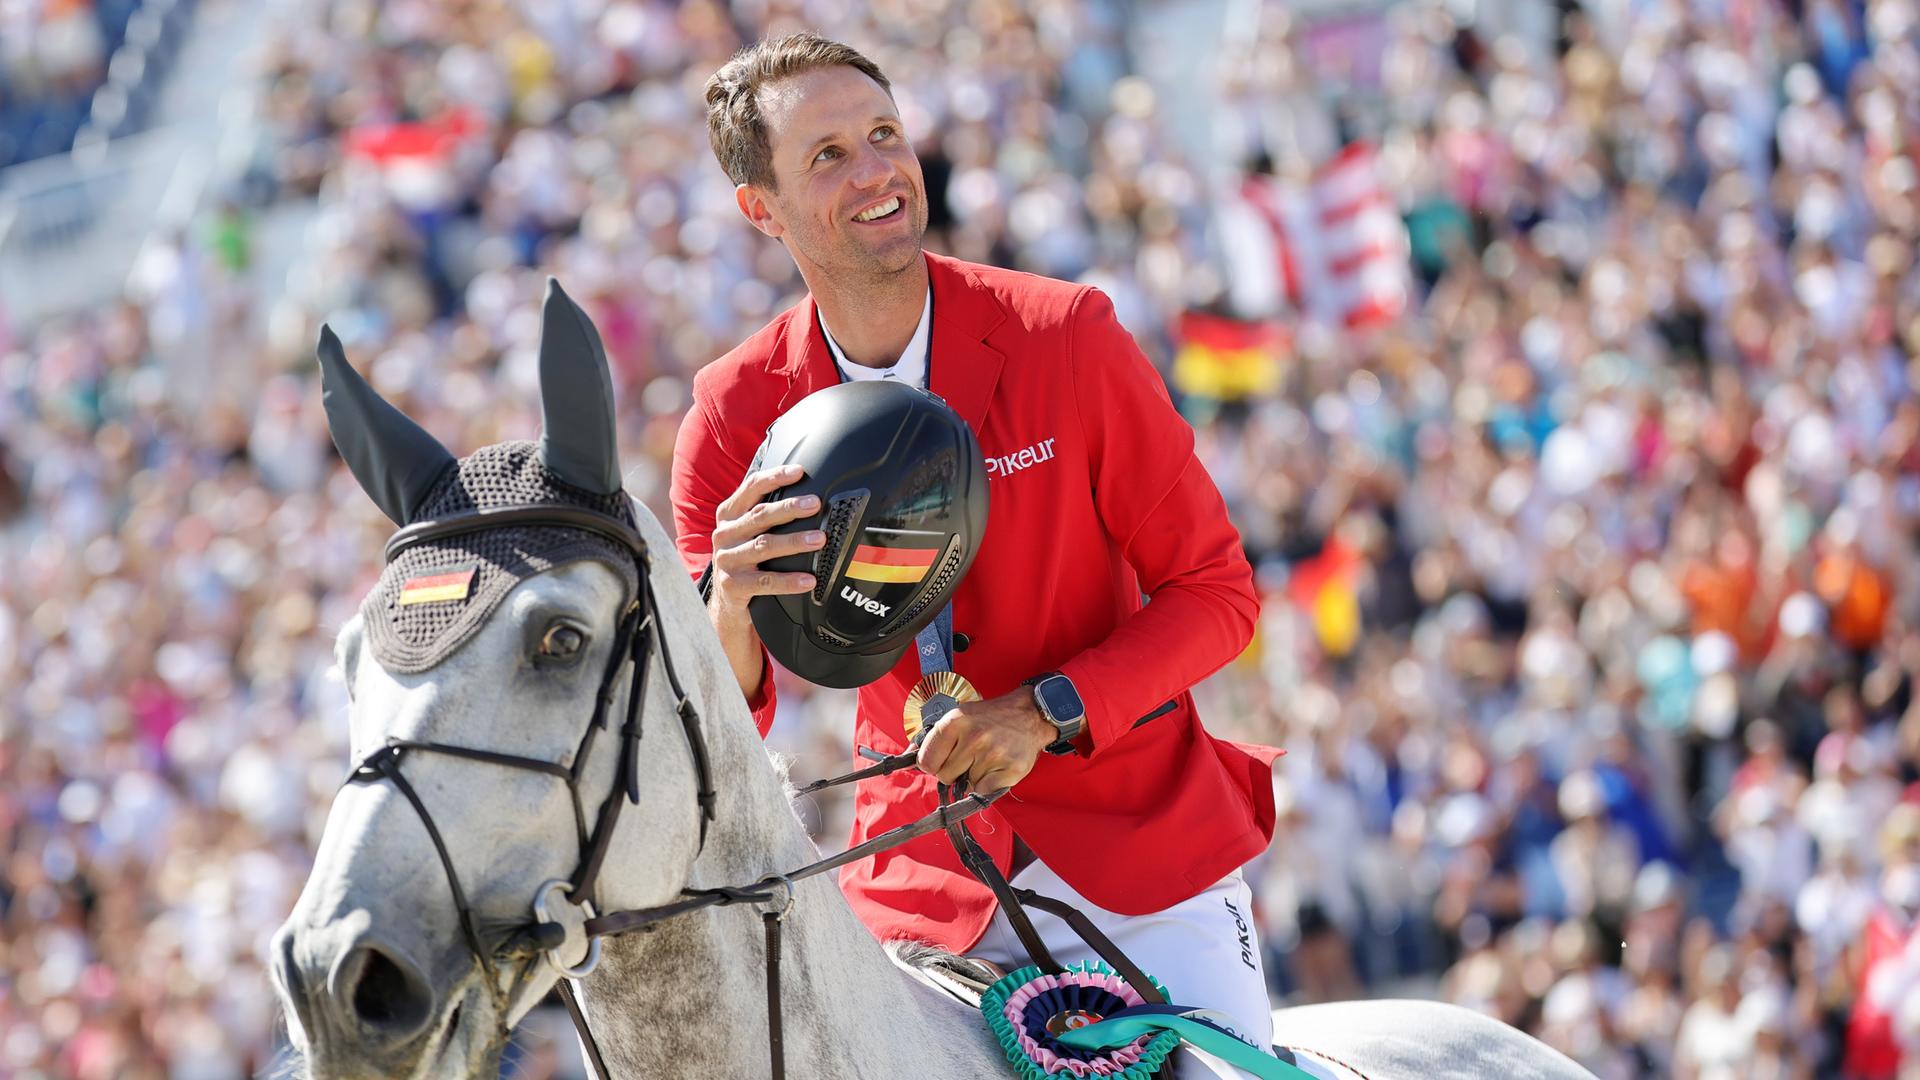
[{"x": 903, "y": 501}]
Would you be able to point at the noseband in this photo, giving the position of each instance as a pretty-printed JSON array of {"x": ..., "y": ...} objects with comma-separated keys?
[{"x": 638, "y": 635}]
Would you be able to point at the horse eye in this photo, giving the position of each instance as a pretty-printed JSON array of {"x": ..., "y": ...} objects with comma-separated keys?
[{"x": 562, "y": 640}]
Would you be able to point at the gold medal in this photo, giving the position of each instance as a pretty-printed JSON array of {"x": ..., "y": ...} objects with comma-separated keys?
[{"x": 934, "y": 696}]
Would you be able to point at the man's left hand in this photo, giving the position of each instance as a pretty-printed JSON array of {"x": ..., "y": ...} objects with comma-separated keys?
[{"x": 992, "y": 743}]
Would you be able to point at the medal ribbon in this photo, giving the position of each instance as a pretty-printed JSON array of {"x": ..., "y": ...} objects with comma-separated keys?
[{"x": 934, "y": 643}]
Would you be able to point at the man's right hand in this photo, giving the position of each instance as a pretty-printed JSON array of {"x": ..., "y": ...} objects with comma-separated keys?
[{"x": 741, "y": 544}]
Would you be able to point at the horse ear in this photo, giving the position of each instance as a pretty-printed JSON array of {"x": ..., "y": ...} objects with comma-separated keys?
[
  {"x": 577, "y": 437},
  {"x": 394, "y": 459}
]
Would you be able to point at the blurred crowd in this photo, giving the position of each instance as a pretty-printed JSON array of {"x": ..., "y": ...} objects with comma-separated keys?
[
  {"x": 1601, "y": 695},
  {"x": 1591, "y": 621}
]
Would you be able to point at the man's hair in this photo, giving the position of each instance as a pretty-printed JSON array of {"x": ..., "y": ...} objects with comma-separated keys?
[{"x": 735, "y": 126}]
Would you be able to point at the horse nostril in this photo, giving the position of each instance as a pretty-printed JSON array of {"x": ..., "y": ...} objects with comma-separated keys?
[
  {"x": 287, "y": 968},
  {"x": 291, "y": 980},
  {"x": 390, "y": 995}
]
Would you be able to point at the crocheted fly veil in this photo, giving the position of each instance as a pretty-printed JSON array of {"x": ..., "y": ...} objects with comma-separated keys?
[{"x": 435, "y": 595}]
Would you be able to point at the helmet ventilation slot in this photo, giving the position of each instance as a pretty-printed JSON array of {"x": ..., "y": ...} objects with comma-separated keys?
[{"x": 842, "y": 511}]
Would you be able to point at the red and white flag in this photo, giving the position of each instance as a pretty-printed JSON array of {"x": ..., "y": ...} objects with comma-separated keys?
[
  {"x": 1362, "y": 240},
  {"x": 1334, "y": 248},
  {"x": 418, "y": 160}
]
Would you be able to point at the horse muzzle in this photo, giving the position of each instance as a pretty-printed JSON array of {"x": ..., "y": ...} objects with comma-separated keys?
[{"x": 363, "y": 1006}]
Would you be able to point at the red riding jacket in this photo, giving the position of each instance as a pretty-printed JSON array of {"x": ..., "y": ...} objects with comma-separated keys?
[{"x": 1095, "y": 498}]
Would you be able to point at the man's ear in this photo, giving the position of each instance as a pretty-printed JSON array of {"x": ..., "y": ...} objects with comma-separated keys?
[{"x": 757, "y": 210}]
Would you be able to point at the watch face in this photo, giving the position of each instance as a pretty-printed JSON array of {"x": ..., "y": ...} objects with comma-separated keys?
[{"x": 1060, "y": 698}]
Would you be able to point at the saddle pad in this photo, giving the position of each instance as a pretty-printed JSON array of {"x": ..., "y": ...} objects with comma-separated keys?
[{"x": 961, "y": 978}]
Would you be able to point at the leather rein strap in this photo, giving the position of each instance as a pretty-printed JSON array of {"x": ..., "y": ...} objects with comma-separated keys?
[
  {"x": 1014, "y": 903},
  {"x": 777, "y": 889}
]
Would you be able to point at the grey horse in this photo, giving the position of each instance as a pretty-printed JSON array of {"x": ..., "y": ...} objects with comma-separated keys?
[{"x": 396, "y": 960}]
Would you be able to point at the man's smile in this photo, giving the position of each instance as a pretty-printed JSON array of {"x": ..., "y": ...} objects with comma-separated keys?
[{"x": 887, "y": 208}]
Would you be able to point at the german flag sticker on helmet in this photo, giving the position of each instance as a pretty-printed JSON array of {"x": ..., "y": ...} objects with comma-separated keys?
[{"x": 872, "y": 562}]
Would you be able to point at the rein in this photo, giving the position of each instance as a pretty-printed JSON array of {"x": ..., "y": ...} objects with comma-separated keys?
[{"x": 948, "y": 816}]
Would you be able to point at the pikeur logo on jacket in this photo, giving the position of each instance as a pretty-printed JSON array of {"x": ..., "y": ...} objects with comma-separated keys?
[{"x": 1008, "y": 464}]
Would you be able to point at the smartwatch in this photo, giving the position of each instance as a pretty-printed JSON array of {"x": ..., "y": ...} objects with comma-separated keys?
[{"x": 1061, "y": 706}]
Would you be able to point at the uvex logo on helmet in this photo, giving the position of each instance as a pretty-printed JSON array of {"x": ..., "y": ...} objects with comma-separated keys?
[{"x": 873, "y": 607}]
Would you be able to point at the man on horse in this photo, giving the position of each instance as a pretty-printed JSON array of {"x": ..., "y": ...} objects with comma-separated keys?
[{"x": 1110, "y": 579}]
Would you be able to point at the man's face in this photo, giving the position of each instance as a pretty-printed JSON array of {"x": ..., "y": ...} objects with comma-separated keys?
[{"x": 839, "y": 155}]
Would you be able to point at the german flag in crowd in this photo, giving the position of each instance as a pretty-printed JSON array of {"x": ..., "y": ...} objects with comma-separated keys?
[
  {"x": 1227, "y": 359},
  {"x": 1324, "y": 587}
]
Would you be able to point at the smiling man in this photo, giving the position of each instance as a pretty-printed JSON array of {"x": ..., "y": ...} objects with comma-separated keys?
[{"x": 1096, "y": 499}]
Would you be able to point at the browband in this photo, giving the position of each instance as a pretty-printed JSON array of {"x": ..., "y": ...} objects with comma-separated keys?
[{"x": 537, "y": 515}]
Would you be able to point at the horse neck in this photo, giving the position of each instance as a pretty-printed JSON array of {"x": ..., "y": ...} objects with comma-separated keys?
[{"x": 689, "y": 996}]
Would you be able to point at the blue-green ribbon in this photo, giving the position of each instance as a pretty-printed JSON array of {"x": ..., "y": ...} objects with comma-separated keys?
[{"x": 1129, "y": 1024}]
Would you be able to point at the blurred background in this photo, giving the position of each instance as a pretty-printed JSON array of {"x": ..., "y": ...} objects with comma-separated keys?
[{"x": 1556, "y": 360}]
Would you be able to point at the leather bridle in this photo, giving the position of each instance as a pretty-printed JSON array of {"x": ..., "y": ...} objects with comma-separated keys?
[{"x": 637, "y": 638}]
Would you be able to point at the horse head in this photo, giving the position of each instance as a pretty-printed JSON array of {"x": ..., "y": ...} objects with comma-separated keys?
[{"x": 497, "y": 730}]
